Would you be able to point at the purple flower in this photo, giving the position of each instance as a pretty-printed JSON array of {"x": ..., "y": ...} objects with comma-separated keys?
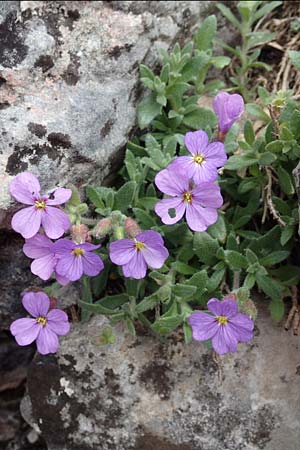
[
  {"x": 229, "y": 108},
  {"x": 25, "y": 188},
  {"x": 226, "y": 327},
  {"x": 41, "y": 249},
  {"x": 44, "y": 328},
  {"x": 205, "y": 160},
  {"x": 198, "y": 203},
  {"x": 147, "y": 248},
  {"x": 74, "y": 260}
]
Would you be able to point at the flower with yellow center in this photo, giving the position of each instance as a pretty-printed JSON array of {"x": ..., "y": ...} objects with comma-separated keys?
[
  {"x": 42, "y": 320},
  {"x": 222, "y": 320},
  {"x": 199, "y": 159},
  {"x": 40, "y": 204},
  {"x": 78, "y": 252},
  {"x": 187, "y": 197}
]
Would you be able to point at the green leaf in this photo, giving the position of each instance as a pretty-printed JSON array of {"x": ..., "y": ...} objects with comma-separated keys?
[
  {"x": 183, "y": 268},
  {"x": 251, "y": 256},
  {"x": 237, "y": 162},
  {"x": 188, "y": 333},
  {"x": 205, "y": 247},
  {"x": 249, "y": 281},
  {"x": 205, "y": 34},
  {"x": 277, "y": 309},
  {"x": 147, "y": 303},
  {"x": 192, "y": 68},
  {"x": 200, "y": 119},
  {"x": 147, "y": 110},
  {"x": 249, "y": 132},
  {"x": 130, "y": 326},
  {"x": 274, "y": 258},
  {"x": 286, "y": 234},
  {"x": 184, "y": 291},
  {"x": 285, "y": 181},
  {"x": 229, "y": 16},
  {"x": 124, "y": 196},
  {"x": 266, "y": 159},
  {"x": 268, "y": 286},
  {"x": 259, "y": 38},
  {"x": 98, "y": 308},
  {"x": 147, "y": 202},
  {"x": 235, "y": 260},
  {"x": 218, "y": 230},
  {"x": 168, "y": 321},
  {"x": 294, "y": 56},
  {"x": 199, "y": 279},
  {"x": 95, "y": 197},
  {"x": 144, "y": 218},
  {"x": 87, "y": 298},
  {"x": 266, "y": 9},
  {"x": 220, "y": 61},
  {"x": 258, "y": 112},
  {"x": 146, "y": 72}
]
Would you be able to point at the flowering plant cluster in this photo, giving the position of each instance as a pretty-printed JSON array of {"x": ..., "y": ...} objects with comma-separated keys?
[{"x": 167, "y": 245}]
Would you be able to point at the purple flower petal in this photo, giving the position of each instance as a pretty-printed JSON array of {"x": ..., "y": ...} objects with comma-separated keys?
[
  {"x": 47, "y": 341},
  {"x": 208, "y": 194},
  {"x": 185, "y": 165},
  {"x": 136, "y": 267},
  {"x": 171, "y": 183},
  {"x": 228, "y": 108},
  {"x": 27, "y": 221},
  {"x": 55, "y": 222},
  {"x": 36, "y": 303},
  {"x": 63, "y": 246},
  {"x": 58, "y": 321},
  {"x": 224, "y": 340},
  {"x": 70, "y": 266},
  {"x": 204, "y": 325},
  {"x": 62, "y": 280},
  {"x": 227, "y": 308},
  {"x": 25, "y": 330},
  {"x": 122, "y": 251},
  {"x": 44, "y": 267},
  {"x": 92, "y": 264},
  {"x": 215, "y": 154},
  {"x": 163, "y": 207},
  {"x": 88, "y": 247},
  {"x": 37, "y": 246},
  {"x": 242, "y": 326},
  {"x": 60, "y": 196},
  {"x": 155, "y": 256},
  {"x": 196, "y": 141},
  {"x": 25, "y": 187},
  {"x": 205, "y": 172},
  {"x": 150, "y": 238},
  {"x": 198, "y": 218}
]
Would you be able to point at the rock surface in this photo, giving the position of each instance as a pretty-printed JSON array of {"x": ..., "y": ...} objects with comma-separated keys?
[
  {"x": 143, "y": 394},
  {"x": 69, "y": 79}
]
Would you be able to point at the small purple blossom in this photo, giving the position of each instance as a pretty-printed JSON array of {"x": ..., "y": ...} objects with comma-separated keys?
[
  {"x": 134, "y": 255},
  {"x": 199, "y": 203},
  {"x": 229, "y": 108},
  {"x": 226, "y": 327},
  {"x": 74, "y": 260},
  {"x": 25, "y": 188},
  {"x": 42, "y": 250},
  {"x": 205, "y": 158},
  {"x": 44, "y": 328}
]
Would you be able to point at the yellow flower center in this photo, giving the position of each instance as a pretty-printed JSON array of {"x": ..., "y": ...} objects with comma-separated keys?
[
  {"x": 78, "y": 252},
  {"x": 40, "y": 204},
  {"x": 222, "y": 320},
  {"x": 187, "y": 197},
  {"x": 139, "y": 245},
  {"x": 199, "y": 159},
  {"x": 42, "y": 320}
]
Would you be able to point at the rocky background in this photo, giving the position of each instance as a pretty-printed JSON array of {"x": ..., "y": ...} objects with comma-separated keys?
[{"x": 68, "y": 95}]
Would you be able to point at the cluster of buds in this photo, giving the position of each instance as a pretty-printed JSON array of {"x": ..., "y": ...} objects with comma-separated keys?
[{"x": 80, "y": 234}]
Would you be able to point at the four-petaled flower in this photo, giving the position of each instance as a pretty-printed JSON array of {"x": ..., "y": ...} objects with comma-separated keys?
[
  {"x": 198, "y": 203},
  {"x": 229, "y": 108},
  {"x": 226, "y": 327},
  {"x": 205, "y": 160},
  {"x": 74, "y": 260},
  {"x": 25, "y": 188},
  {"x": 42, "y": 250},
  {"x": 147, "y": 248},
  {"x": 44, "y": 328}
]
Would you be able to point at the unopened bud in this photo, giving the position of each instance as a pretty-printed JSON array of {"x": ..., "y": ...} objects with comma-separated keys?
[
  {"x": 119, "y": 232},
  {"x": 131, "y": 227},
  {"x": 102, "y": 228},
  {"x": 249, "y": 308},
  {"x": 82, "y": 209},
  {"x": 80, "y": 233}
]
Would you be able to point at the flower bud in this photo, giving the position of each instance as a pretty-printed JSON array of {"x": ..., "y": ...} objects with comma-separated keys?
[
  {"x": 131, "y": 227},
  {"x": 249, "y": 308},
  {"x": 102, "y": 228},
  {"x": 80, "y": 233}
]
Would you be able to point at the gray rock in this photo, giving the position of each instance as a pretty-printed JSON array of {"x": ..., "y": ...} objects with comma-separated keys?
[
  {"x": 146, "y": 394},
  {"x": 69, "y": 77}
]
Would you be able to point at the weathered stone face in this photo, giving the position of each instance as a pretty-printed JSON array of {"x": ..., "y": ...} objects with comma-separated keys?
[
  {"x": 68, "y": 82},
  {"x": 147, "y": 395}
]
